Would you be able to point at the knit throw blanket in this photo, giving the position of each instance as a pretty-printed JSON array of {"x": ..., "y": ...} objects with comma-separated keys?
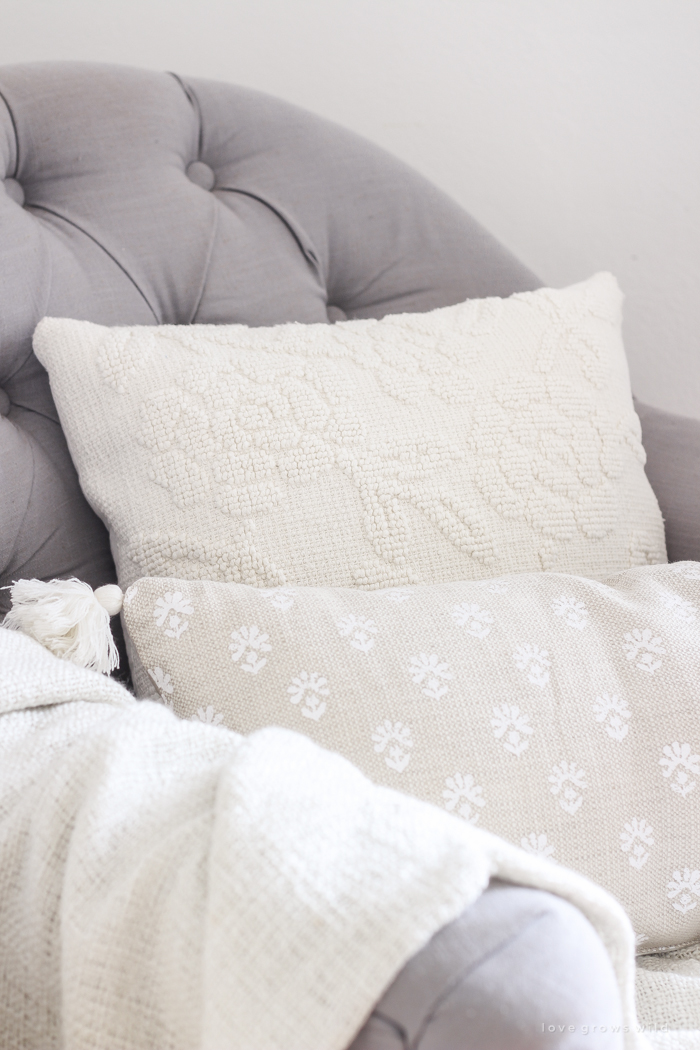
[{"x": 170, "y": 884}]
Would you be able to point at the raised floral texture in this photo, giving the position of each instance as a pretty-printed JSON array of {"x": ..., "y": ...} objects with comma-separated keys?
[{"x": 487, "y": 437}]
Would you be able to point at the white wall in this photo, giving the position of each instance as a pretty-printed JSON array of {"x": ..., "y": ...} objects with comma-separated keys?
[{"x": 570, "y": 128}]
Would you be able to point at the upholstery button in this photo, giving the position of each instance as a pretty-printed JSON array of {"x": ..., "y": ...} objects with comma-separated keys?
[
  {"x": 14, "y": 190},
  {"x": 4, "y": 403},
  {"x": 201, "y": 175}
]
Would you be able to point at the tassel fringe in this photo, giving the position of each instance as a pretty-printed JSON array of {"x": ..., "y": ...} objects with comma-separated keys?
[{"x": 69, "y": 619}]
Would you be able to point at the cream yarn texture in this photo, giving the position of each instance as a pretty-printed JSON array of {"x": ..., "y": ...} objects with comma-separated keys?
[
  {"x": 171, "y": 884},
  {"x": 493, "y": 436},
  {"x": 560, "y": 713}
]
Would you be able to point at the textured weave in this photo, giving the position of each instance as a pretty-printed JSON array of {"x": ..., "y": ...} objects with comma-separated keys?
[
  {"x": 493, "y": 436},
  {"x": 668, "y": 999},
  {"x": 558, "y": 712},
  {"x": 668, "y": 991},
  {"x": 170, "y": 884}
]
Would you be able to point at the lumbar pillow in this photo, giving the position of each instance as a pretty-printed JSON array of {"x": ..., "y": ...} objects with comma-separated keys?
[
  {"x": 560, "y": 713},
  {"x": 489, "y": 437}
]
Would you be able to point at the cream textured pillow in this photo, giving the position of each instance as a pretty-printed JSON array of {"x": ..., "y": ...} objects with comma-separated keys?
[
  {"x": 489, "y": 437},
  {"x": 559, "y": 712}
]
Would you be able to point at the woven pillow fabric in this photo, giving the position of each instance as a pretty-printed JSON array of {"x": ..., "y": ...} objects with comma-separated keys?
[
  {"x": 493, "y": 436},
  {"x": 558, "y": 712}
]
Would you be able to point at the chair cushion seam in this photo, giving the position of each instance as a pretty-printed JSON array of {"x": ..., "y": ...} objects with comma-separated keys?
[{"x": 77, "y": 226}]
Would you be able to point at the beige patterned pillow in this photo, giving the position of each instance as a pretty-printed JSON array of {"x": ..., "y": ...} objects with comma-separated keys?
[
  {"x": 494, "y": 436},
  {"x": 558, "y": 712}
]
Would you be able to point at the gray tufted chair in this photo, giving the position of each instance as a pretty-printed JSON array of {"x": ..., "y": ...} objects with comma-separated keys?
[{"x": 133, "y": 197}]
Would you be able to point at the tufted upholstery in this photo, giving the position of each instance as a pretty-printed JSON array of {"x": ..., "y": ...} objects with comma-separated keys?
[{"x": 133, "y": 197}]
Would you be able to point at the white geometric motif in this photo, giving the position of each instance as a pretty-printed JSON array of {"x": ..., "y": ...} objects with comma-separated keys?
[
  {"x": 636, "y": 641},
  {"x": 537, "y": 845},
  {"x": 462, "y": 794},
  {"x": 397, "y": 594},
  {"x": 430, "y": 667},
  {"x": 176, "y": 604},
  {"x": 361, "y": 630},
  {"x": 130, "y": 593},
  {"x": 535, "y": 662},
  {"x": 495, "y": 586},
  {"x": 209, "y": 716},
  {"x": 475, "y": 620},
  {"x": 575, "y": 612},
  {"x": 398, "y": 736},
  {"x": 162, "y": 680},
  {"x": 677, "y": 755},
  {"x": 250, "y": 642},
  {"x": 516, "y": 742},
  {"x": 634, "y": 840},
  {"x": 281, "y": 598},
  {"x": 614, "y": 710},
  {"x": 680, "y": 608},
  {"x": 309, "y": 687},
  {"x": 567, "y": 774},
  {"x": 690, "y": 570},
  {"x": 687, "y": 884}
]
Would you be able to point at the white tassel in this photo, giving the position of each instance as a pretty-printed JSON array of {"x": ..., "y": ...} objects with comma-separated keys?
[{"x": 69, "y": 619}]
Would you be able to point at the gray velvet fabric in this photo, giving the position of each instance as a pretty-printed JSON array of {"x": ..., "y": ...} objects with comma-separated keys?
[
  {"x": 133, "y": 197},
  {"x": 519, "y": 970},
  {"x": 672, "y": 445}
]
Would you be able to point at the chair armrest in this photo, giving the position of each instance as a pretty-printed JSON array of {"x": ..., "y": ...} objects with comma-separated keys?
[{"x": 672, "y": 445}]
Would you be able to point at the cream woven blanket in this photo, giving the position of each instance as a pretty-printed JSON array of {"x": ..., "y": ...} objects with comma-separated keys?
[{"x": 171, "y": 884}]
